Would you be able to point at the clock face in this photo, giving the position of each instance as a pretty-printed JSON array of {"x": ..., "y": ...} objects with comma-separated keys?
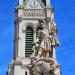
[{"x": 33, "y": 3}]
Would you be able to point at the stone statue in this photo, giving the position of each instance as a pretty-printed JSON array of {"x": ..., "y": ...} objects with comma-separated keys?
[
  {"x": 42, "y": 62},
  {"x": 53, "y": 35},
  {"x": 41, "y": 66},
  {"x": 45, "y": 43}
]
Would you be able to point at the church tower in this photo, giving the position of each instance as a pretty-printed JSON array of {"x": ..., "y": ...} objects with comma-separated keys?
[{"x": 35, "y": 39}]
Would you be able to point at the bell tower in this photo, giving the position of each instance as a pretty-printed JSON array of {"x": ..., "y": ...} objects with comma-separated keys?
[{"x": 34, "y": 19}]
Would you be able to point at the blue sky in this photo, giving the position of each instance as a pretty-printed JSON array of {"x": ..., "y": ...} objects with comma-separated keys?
[{"x": 65, "y": 19}]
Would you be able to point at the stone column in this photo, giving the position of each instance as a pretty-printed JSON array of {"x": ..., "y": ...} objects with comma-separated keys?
[{"x": 21, "y": 41}]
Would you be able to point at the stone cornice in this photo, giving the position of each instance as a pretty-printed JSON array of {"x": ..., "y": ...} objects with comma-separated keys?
[
  {"x": 18, "y": 62},
  {"x": 40, "y": 9},
  {"x": 32, "y": 18}
]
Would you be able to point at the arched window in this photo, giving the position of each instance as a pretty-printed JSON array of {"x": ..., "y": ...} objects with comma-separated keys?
[{"x": 28, "y": 41}]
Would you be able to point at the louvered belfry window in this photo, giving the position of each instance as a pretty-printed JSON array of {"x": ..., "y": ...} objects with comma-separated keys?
[{"x": 28, "y": 41}]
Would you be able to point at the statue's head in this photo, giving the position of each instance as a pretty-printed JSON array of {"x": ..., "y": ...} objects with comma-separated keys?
[{"x": 41, "y": 24}]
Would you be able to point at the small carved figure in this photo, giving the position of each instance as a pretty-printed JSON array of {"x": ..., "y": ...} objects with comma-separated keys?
[{"x": 53, "y": 34}]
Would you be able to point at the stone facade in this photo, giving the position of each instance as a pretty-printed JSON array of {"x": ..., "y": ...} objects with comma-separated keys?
[{"x": 35, "y": 40}]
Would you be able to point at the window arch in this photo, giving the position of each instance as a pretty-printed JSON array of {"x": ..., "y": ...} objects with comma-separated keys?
[{"x": 28, "y": 41}]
